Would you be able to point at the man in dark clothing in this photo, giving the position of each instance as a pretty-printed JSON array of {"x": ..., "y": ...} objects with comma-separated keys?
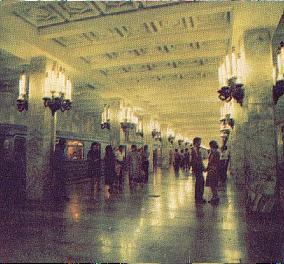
[
  {"x": 59, "y": 171},
  {"x": 94, "y": 166},
  {"x": 197, "y": 170}
]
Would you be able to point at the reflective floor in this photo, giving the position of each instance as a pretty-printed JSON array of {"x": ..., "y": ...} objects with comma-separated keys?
[{"x": 159, "y": 223}]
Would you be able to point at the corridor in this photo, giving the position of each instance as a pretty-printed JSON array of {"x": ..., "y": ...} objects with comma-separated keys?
[{"x": 157, "y": 223}]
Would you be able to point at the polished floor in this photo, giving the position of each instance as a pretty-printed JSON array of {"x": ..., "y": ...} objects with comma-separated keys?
[{"x": 159, "y": 223}]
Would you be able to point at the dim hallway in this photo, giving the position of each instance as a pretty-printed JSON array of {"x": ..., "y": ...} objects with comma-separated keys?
[{"x": 157, "y": 223}]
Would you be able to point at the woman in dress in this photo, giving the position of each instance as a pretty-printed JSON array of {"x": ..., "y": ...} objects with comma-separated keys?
[{"x": 213, "y": 169}]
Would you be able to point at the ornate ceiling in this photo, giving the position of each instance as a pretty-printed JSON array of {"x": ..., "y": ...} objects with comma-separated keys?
[{"x": 160, "y": 56}]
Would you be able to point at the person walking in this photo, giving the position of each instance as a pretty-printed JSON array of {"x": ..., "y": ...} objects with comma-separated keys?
[
  {"x": 177, "y": 161},
  {"x": 94, "y": 166},
  {"x": 186, "y": 160},
  {"x": 59, "y": 170},
  {"x": 213, "y": 170},
  {"x": 109, "y": 168},
  {"x": 134, "y": 166},
  {"x": 145, "y": 163},
  {"x": 182, "y": 160},
  {"x": 197, "y": 170}
]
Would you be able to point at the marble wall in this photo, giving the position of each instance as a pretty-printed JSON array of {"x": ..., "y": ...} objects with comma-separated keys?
[{"x": 253, "y": 141}]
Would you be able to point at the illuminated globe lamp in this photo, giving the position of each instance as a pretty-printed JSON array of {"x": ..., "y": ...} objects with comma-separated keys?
[
  {"x": 278, "y": 75},
  {"x": 230, "y": 79},
  {"x": 105, "y": 118},
  {"x": 22, "y": 101},
  {"x": 57, "y": 91}
]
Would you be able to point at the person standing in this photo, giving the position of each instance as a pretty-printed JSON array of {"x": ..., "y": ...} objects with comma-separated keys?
[
  {"x": 134, "y": 166},
  {"x": 224, "y": 162},
  {"x": 197, "y": 170},
  {"x": 186, "y": 159},
  {"x": 213, "y": 169},
  {"x": 177, "y": 161},
  {"x": 182, "y": 160},
  {"x": 109, "y": 166},
  {"x": 145, "y": 163},
  {"x": 119, "y": 164},
  {"x": 59, "y": 170},
  {"x": 94, "y": 166}
]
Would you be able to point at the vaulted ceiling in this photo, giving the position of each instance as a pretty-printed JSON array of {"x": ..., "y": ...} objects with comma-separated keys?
[{"x": 160, "y": 56}]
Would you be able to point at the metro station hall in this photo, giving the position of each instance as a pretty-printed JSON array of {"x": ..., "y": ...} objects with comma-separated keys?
[{"x": 141, "y": 131}]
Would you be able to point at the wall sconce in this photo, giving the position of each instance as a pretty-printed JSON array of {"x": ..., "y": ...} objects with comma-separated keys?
[
  {"x": 139, "y": 128},
  {"x": 57, "y": 91},
  {"x": 227, "y": 121},
  {"x": 180, "y": 139},
  {"x": 230, "y": 75},
  {"x": 156, "y": 130},
  {"x": 22, "y": 101},
  {"x": 105, "y": 118},
  {"x": 171, "y": 137},
  {"x": 278, "y": 75},
  {"x": 126, "y": 118}
]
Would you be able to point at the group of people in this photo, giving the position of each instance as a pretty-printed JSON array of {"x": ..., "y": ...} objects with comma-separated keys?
[
  {"x": 181, "y": 160},
  {"x": 216, "y": 169},
  {"x": 116, "y": 163},
  {"x": 136, "y": 162},
  {"x": 113, "y": 166}
]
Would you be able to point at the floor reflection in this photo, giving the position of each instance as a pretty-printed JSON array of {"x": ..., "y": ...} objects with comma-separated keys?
[{"x": 157, "y": 223}]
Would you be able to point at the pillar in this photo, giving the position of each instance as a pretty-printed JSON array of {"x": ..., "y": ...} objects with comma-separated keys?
[
  {"x": 259, "y": 131},
  {"x": 237, "y": 144},
  {"x": 41, "y": 133}
]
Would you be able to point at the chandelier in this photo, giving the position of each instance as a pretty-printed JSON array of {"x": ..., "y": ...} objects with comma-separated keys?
[
  {"x": 57, "y": 90},
  {"x": 105, "y": 118},
  {"x": 22, "y": 101},
  {"x": 278, "y": 74},
  {"x": 230, "y": 79}
]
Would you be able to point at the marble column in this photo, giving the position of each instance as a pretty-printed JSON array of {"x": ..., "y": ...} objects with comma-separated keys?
[
  {"x": 260, "y": 145},
  {"x": 237, "y": 144},
  {"x": 40, "y": 138}
]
